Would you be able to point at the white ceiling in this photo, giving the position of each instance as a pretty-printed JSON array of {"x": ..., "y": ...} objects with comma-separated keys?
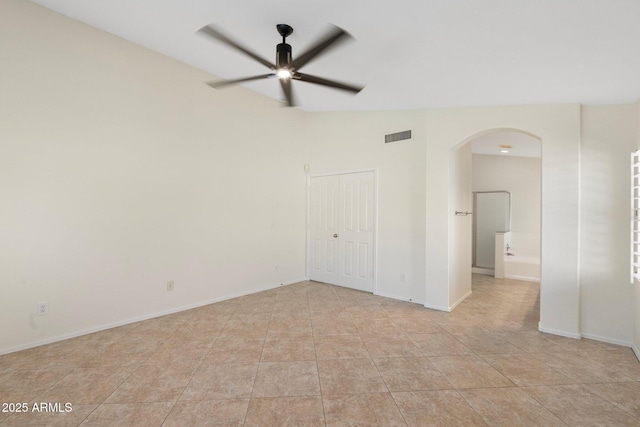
[
  {"x": 409, "y": 53},
  {"x": 522, "y": 145}
]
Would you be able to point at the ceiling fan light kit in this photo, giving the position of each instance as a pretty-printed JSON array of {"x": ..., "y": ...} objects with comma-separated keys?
[{"x": 286, "y": 68}]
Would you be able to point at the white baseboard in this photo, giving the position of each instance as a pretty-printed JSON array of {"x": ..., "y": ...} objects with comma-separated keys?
[
  {"x": 451, "y": 307},
  {"x": 457, "y": 303},
  {"x": 607, "y": 340},
  {"x": 480, "y": 270},
  {"x": 140, "y": 318},
  {"x": 588, "y": 336},
  {"x": 523, "y": 278},
  {"x": 558, "y": 332},
  {"x": 437, "y": 307},
  {"x": 385, "y": 295}
]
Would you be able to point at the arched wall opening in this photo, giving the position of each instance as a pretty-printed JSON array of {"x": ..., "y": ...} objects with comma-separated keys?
[
  {"x": 558, "y": 127},
  {"x": 494, "y": 184}
]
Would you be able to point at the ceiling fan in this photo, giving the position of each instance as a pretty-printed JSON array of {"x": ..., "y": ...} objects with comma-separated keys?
[{"x": 286, "y": 68}]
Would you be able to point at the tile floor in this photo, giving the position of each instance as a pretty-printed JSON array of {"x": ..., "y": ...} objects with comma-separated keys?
[{"x": 312, "y": 354}]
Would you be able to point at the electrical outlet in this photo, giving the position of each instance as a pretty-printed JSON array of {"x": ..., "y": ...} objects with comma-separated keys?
[
  {"x": 42, "y": 308},
  {"x": 402, "y": 278},
  {"x": 170, "y": 285}
]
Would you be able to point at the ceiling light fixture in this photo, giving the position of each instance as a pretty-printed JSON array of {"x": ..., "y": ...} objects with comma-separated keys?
[
  {"x": 504, "y": 151},
  {"x": 283, "y": 73}
]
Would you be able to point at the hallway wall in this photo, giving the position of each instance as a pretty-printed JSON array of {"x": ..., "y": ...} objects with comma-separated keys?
[
  {"x": 522, "y": 177},
  {"x": 460, "y": 227},
  {"x": 559, "y": 129},
  {"x": 606, "y": 297}
]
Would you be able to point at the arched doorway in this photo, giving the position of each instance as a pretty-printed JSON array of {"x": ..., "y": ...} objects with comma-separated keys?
[{"x": 482, "y": 166}]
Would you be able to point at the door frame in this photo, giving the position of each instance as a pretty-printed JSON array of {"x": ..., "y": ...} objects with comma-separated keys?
[{"x": 375, "y": 220}]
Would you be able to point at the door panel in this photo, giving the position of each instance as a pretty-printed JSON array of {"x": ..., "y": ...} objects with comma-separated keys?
[
  {"x": 341, "y": 230},
  {"x": 323, "y": 225},
  {"x": 491, "y": 214},
  {"x": 356, "y": 230}
]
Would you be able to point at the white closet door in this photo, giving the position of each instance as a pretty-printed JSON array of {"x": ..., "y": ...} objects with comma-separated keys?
[
  {"x": 356, "y": 231},
  {"x": 323, "y": 225},
  {"x": 341, "y": 230}
]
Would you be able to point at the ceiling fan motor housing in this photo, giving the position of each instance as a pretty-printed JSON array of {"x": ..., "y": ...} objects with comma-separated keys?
[
  {"x": 283, "y": 55},
  {"x": 283, "y": 50}
]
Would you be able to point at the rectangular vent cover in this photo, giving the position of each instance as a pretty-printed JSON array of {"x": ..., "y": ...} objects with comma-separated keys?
[{"x": 397, "y": 136}]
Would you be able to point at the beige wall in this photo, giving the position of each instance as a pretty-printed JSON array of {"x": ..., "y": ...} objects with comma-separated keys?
[
  {"x": 519, "y": 175},
  {"x": 460, "y": 227},
  {"x": 121, "y": 170},
  {"x": 558, "y": 127},
  {"x": 344, "y": 141},
  {"x": 608, "y": 137}
]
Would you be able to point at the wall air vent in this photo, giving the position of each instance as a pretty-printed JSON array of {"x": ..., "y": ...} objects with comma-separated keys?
[{"x": 397, "y": 136}]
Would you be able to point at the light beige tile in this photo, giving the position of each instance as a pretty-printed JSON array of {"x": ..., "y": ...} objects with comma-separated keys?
[
  {"x": 50, "y": 419},
  {"x": 532, "y": 341},
  {"x": 293, "y": 306},
  {"x": 200, "y": 330},
  {"x": 377, "y": 327},
  {"x": 133, "y": 414},
  {"x": 411, "y": 326},
  {"x": 211, "y": 314},
  {"x": 623, "y": 361},
  {"x": 368, "y": 409},
  {"x": 488, "y": 343},
  {"x": 436, "y": 408},
  {"x": 177, "y": 349},
  {"x": 340, "y": 347},
  {"x": 208, "y": 413},
  {"x": 439, "y": 345},
  {"x": 585, "y": 344},
  {"x": 276, "y": 379},
  {"x": 410, "y": 373},
  {"x": 469, "y": 371},
  {"x": 328, "y": 327},
  {"x": 245, "y": 328},
  {"x": 339, "y": 326},
  {"x": 25, "y": 385},
  {"x": 509, "y": 407},
  {"x": 86, "y": 385},
  {"x": 285, "y": 411},
  {"x": 525, "y": 369},
  {"x": 290, "y": 325},
  {"x": 625, "y": 396},
  {"x": 471, "y": 328},
  {"x": 580, "y": 368},
  {"x": 154, "y": 383},
  {"x": 391, "y": 347},
  {"x": 349, "y": 376},
  {"x": 234, "y": 349},
  {"x": 576, "y": 405},
  {"x": 367, "y": 312},
  {"x": 213, "y": 381},
  {"x": 253, "y": 311},
  {"x": 286, "y": 348}
]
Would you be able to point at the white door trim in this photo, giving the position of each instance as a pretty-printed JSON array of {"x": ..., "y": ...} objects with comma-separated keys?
[{"x": 375, "y": 219}]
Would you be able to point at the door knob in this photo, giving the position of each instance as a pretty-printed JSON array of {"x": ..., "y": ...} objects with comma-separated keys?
[{"x": 335, "y": 236}]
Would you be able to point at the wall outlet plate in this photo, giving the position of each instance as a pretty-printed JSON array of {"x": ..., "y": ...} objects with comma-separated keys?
[
  {"x": 42, "y": 308},
  {"x": 170, "y": 285}
]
